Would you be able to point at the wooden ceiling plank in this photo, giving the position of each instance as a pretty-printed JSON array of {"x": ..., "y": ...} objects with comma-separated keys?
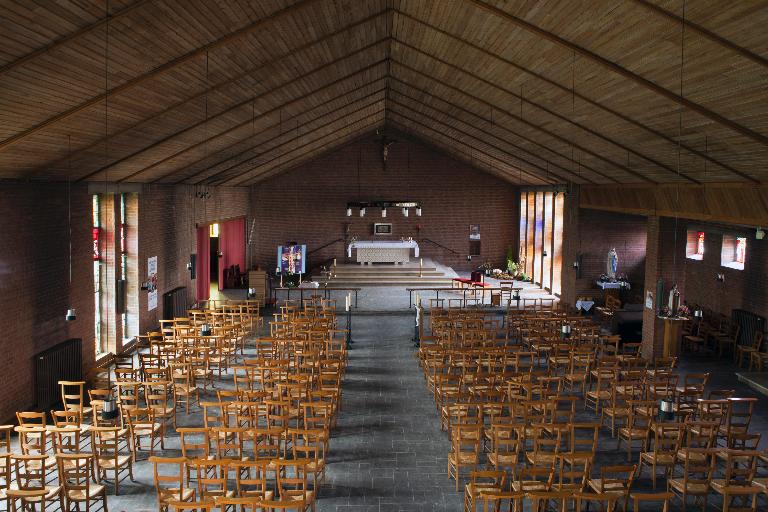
[
  {"x": 615, "y": 68},
  {"x": 240, "y": 176},
  {"x": 578, "y": 95},
  {"x": 552, "y": 113},
  {"x": 130, "y": 84},
  {"x": 220, "y": 177},
  {"x": 504, "y": 128},
  {"x": 70, "y": 37},
  {"x": 463, "y": 132},
  {"x": 225, "y": 112},
  {"x": 533, "y": 125},
  {"x": 219, "y": 86},
  {"x": 272, "y": 126},
  {"x": 725, "y": 43}
]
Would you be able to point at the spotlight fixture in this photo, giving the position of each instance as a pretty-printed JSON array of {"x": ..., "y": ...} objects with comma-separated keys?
[
  {"x": 383, "y": 212},
  {"x": 362, "y": 212},
  {"x": 405, "y": 212},
  {"x": 71, "y": 316},
  {"x": 349, "y": 212}
]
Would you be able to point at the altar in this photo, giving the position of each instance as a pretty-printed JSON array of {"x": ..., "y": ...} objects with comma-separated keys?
[{"x": 389, "y": 251}]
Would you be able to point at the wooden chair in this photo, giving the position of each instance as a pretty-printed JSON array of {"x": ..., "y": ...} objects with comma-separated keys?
[
  {"x": 142, "y": 424},
  {"x": 212, "y": 478},
  {"x": 638, "y": 425},
  {"x": 666, "y": 441},
  {"x": 251, "y": 479},
  {"x": 614, "y": 481},
  {"x": 748, "y": 350},
  {"x": 75, "y": 472},
  {"x": 200, "y": 506},
  {"x": 737, "y": 481},
  {"x": 728, "y": 340},
  {"x": 660, "y": 499},
  {"x": 29, "y": 500},
  {"x": 169, "y": 481},
  {"x": 73, "y": 397},
  {"x": 31, "y": 475},
  {"x": 293, "y": 483},
  {"x": 482, "y": 482},
  {"x": 533, "y": 479},
  {"x": 466, "y": 442},
  {"x": 697, "y": 471},
  {"x": 105, "y": 442}
]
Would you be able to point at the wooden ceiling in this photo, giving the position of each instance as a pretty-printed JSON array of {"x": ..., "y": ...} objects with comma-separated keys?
[{"x": 231, "y": 92}]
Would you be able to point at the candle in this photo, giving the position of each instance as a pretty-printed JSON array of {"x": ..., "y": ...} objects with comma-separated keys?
[
  {"x": 334, "y": 262},
  {"x": 299, "y": 277},
  {"x": 418, "y": 300},
  {"x": 347, "y": 301}
]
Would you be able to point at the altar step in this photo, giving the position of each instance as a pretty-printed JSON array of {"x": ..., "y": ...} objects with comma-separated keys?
[{"x": 407, "y": 275}]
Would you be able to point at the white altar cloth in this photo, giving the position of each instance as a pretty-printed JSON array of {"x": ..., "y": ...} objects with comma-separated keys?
[{"x": 384, "y": 251}]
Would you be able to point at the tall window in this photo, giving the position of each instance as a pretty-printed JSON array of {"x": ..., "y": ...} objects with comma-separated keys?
[
  {"x": 694, "y": 249},
  {"x": 541, "y": 237},
  {"x": 96, "y": 228}
]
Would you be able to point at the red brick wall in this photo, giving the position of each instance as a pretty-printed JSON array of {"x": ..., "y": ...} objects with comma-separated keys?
[
  {"x": 34, "y": 282},
  {"x": 167, "y": 218},
  {"x": 308, "y": 204},
  {"x": 744, "y": 289},
  {"x": 599, "y": 232}
]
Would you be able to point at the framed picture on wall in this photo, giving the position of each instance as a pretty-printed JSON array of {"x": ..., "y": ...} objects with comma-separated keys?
[
  {"x": 382, "y": 228},
  {"x": 474, "y": 232}
]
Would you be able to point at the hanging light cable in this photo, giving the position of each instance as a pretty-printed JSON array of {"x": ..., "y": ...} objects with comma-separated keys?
[{"x": 70, "y": 311}]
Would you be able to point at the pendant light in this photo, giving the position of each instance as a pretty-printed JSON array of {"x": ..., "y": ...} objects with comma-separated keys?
[
  {"x": 71, "y": 315},
  {"x": 418, "y": 211},
  {"x": 405, "y": 212},
  {"x": 349, "y": 212},
  {"x": 362, "y": 212}
]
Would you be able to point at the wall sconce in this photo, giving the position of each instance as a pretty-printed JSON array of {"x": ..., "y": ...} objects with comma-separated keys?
[
  {"x": 71, "y": 316},
  {"x": 720, "y": 278},
  {"x": 383, "y": 212},
  {"x": 405, "y": 212},
  {"x": 698, "y": 313},
  {"x": 418, "y": 211},
  {"x": 362, "y": 212},
  {"x": 349, "y": 212}
]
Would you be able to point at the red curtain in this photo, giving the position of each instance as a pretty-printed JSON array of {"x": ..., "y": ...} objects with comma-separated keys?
[
  {"x": 231, "y": 246},
  {"x": 203, "y": 270}
]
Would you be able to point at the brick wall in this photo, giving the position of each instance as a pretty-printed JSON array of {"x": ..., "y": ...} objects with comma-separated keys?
[
  {"x": 307, "y": 205},
  {"x": 34, "y": 282},
  {"x": 167, "y": 219},
  {"x": 744, "y": 289},
  {"x": 599, "y": 232}
]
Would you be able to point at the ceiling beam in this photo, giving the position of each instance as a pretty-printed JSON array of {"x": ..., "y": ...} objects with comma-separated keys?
[
  {"x": 260, "y": 68},
  {"x": 346, "y": 125},
  {"x": 578, "y": 95},
  {"x": 228, "y": 111},
  {"x": 552, "y": 113},
  {"x": 261, "y": 132},
  {"x": 452, "y": 105},
  {"x": 726, "y": 43},
  {"x": 615, "y": 68},
  {"x": 535, "y": 126},
  {"x": 134, "y": 82},
  {"x": 446, "y": 126},
  {"x": 69, "y": 37},
  {"x": 511, "y": 132},
  {"x": 452, "y": 150},
  {"x": 250, "y": 159}
]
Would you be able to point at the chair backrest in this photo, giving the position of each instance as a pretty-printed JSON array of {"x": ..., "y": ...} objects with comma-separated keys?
[
  {"x": 75, "y": 471},
  {"x": 195, "y": 442},
  {"x": 26, "y": 500},
  {"x": 168, "y": 475},
  {"x": 661, "y": 499},
  {"x": 251, "y": 478}
]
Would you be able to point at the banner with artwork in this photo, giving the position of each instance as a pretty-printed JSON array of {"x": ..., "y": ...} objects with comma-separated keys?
[
  {"x": 152, "y": 283},
  {"x": 291, "y": 259}
]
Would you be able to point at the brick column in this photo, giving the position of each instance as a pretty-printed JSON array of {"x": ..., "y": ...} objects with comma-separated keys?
[
  {"x": 570, "y": 246},
  {"x": 665, "y": 260}
]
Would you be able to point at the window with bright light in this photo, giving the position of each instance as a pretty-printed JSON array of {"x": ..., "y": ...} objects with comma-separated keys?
[
  {"x": 694, "y": 249},
  {"x": 734, "y": 252},
  {"x": 96, "y": 230},
  {"x": 214, "y": 231}
]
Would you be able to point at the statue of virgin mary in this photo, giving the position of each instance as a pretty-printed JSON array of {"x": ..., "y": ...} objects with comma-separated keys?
[{"x": 612, "y": 263}]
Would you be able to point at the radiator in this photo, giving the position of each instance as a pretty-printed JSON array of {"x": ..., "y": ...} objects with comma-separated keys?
[
  {"x": 175, "y": 303},
  {"x": 60, "y": 362},
  {"x": 749, "y": 322}
]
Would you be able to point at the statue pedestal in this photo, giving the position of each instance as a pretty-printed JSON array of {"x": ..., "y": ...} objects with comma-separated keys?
[{"x": 668, "y": 330}]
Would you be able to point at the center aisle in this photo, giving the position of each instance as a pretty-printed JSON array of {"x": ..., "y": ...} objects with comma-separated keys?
[{"x": 387, "y": 453}]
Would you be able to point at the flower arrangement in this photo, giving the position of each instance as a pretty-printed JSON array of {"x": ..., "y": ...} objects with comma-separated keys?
[{"x": 683, "y": 310}]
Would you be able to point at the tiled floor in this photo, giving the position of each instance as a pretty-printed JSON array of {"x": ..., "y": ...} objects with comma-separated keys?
[{"x": 388, "y": 452}]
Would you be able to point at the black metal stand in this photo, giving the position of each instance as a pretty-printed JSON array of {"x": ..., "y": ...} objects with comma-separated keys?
[{"x": 349, "y": 329}]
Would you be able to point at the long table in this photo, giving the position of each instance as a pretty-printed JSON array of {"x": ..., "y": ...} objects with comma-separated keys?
[{"x": 384, "y": 251}]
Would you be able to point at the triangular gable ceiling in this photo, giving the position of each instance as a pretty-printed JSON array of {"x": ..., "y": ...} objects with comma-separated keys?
[{"x": 231, "y": 91}]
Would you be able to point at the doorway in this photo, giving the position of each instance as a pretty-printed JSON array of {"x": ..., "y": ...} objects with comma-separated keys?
[{"x": 213, "y": 235}]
